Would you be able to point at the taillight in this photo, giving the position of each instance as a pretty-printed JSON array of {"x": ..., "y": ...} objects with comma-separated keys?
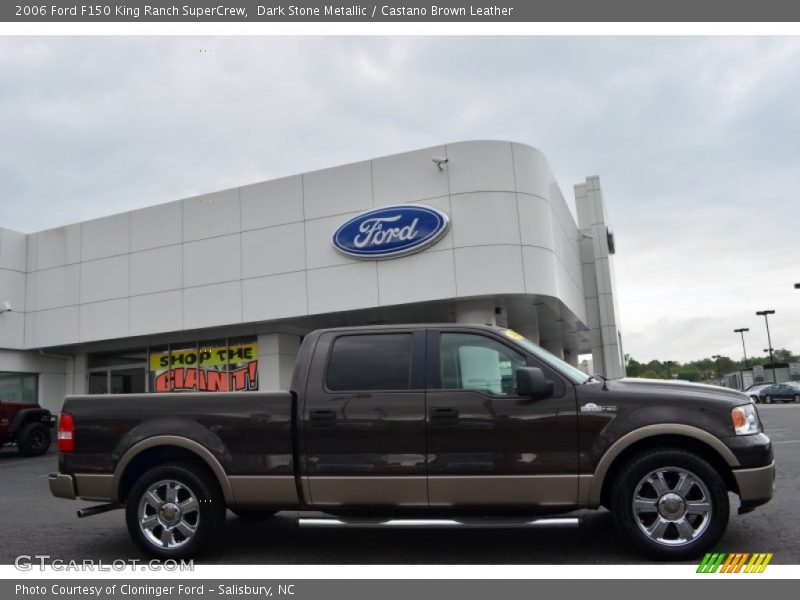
[{"x": 66, "y": 433}]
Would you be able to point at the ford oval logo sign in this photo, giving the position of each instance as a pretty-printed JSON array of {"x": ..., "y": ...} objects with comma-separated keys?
[{"x": 391, "y": 231}]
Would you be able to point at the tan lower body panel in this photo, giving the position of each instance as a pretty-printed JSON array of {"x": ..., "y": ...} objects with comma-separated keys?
[
  {"x": 62, "y": 486},
  {"x": 101, "y": 488},
  {"x": 756, "y": 484},
  {"x": 264, "y": 490},
  {"x": 584, "y": 490},
  {"x": 508, "y": 490},
  {"x": 368, "y": 491},
  {"x": 247, "y": 490}
]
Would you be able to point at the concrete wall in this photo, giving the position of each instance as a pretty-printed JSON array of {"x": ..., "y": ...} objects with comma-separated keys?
[
  {"x": 52, "y": 372},
  {"x": 277, "y": 353},
  {"x": 597, "y": 263},
  {"x": 13, "y": 252},
  {"x": 263, "y": 252}
]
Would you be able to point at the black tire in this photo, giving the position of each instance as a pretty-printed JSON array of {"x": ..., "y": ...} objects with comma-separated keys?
[
  {"x": 253, "y": 514},
  {"x": 709, "y": 528},
  {"x": 34, "y": 439},
  {"x": 797, "y": 398},
  {"x": 192, "y": 481}
]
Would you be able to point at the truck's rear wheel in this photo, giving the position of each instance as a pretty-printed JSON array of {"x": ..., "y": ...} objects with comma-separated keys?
[
  {"x": 174, "y": 510},
  {"x": 33, "y": 439},
  {"x": 672, "y": 504},
  {"x": 252, "y": 514}
]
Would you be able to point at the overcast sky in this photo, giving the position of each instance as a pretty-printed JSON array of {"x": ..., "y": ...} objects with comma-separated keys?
[{"x": 696, "y": 141}]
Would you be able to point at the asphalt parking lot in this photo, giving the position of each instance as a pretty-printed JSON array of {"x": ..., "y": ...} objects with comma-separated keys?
[{"x": 33, "y": 522}]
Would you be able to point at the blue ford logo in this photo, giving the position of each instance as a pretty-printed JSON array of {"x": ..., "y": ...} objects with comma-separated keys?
[{"x": 391, "y": 231}]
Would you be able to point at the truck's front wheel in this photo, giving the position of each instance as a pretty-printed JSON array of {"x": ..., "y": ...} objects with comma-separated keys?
[
  {"x": 174, "y": 510},
  {"x": 670, "y": 503}
]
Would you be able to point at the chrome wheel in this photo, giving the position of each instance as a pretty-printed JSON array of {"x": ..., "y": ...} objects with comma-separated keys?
[
  {"x": 672, "y": 506},
  {"x": 169, "y": 514}
]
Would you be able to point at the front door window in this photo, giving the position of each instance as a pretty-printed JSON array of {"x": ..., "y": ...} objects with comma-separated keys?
[{"x": 475, "y": 362}]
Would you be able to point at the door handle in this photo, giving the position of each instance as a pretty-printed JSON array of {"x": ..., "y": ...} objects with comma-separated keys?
[
  {"x": 322, "y": 418},
  {"x": 444, "y": 415}
]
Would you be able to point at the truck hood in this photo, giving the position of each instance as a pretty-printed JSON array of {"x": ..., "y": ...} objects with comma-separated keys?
[{"x": 677, "y": 389}]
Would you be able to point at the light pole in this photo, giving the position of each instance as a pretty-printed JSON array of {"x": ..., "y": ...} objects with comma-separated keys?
[
  {"x": 669, "y": 371},
  {"x": 741, "y": 331},
  {"x": 765, "y": 314},
  {"x": 717, "y": 357}
]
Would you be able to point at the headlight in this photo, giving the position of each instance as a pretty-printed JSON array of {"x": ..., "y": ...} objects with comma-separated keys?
[{"x": 745, "y": 419}]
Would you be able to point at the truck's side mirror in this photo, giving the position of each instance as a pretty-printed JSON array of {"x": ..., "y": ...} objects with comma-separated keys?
[{"x": 531, "y": 382}]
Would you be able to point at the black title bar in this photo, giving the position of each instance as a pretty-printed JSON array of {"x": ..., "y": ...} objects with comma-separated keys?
[{"x": 449, "y": 11}]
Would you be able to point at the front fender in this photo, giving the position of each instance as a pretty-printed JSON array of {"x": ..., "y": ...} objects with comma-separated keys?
[{"x": 649, "y": 431}]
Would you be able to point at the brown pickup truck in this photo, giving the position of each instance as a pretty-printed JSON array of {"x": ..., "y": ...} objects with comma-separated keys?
[{"x": 415, "y": 425}]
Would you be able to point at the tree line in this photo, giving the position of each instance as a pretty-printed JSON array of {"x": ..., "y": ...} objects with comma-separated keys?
[{"x": 704, "y": 369}]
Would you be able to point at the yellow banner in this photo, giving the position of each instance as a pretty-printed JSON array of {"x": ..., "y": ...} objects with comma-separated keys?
[{"x": 206, "y": 357}]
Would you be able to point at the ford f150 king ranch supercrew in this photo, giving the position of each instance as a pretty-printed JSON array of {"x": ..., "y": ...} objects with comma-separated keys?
[{"x": 393, "y": 425}]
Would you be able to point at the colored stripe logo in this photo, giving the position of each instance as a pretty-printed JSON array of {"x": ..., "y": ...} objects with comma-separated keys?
[{"x": 737, "y": 562}]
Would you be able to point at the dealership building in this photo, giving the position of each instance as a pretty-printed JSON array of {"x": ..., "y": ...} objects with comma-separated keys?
[{"x": 216, "y": 292}]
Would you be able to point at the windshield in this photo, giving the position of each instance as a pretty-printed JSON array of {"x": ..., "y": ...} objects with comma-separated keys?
[{"x": 574, "y": 374}]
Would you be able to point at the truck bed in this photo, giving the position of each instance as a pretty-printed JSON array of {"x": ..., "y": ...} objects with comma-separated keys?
[{"x": 250, "y": 433}]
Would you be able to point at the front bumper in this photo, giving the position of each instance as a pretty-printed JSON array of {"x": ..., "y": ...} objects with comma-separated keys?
[
  {"x": 756, "y": 486},
  {"x": 62, "y": 486},
  {"x": 751, "y": 451}
]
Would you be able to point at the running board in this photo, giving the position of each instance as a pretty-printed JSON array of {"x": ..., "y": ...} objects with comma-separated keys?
[{"x": 441, "y": 523}]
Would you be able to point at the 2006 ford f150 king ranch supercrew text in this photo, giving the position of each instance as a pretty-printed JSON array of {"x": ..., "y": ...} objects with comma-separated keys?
[{"x": 415, "y": 424}]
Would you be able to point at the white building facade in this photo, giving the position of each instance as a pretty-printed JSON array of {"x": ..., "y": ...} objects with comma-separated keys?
[{"x": 215, "y": 292}]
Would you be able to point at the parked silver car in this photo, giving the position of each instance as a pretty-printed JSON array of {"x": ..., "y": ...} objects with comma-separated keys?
[{"x": 753, "y": 391}]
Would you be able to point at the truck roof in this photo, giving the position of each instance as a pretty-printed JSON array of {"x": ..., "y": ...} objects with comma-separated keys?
[{"x": 410, "y": 326}]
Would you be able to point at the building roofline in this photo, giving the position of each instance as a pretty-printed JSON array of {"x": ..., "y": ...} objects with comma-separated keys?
[{"x": 300, "y": 174}]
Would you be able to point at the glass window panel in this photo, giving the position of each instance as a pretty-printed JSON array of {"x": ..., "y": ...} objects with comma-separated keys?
[
  {"x": 476, "y": 362},
  {"x": 98, "y": 382},
  {"x": 212, "y": 366},
  {"x": 128, "y": 381},
  {"x": 370, "y": 362},
  {"x": 183, "y": 367},
  {"x": 19, "y": 387},
  {"x": 158, "y": 369},
  {"x": 113, "y": 359},
  {"x": 243, "y": 363}
]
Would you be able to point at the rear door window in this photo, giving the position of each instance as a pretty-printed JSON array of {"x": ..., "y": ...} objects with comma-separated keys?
[{"x": 370, "y": 362}]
